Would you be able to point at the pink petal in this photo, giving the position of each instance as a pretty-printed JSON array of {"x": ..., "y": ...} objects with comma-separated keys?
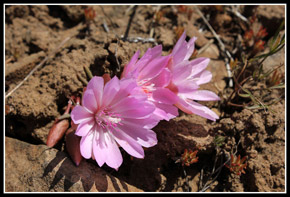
[
  {"x": 141, "y": 110},
  {"x": 145, "y": 137},
  {"x": 110, "y": 90},
  {"x": 153, "y": 68},
  {"x": 148, "y": 122},
  {"x": 97, "y": 85},
  {"x": 127, "y": 103},
  {"x": 198, "y": 65},
  {"x": 106, "y": 150},
  {"x": 152, "y": 53},
  {"x": 156, "y": 51},
  {"x": 80, "y": 114},
  {"x": 85, "y": 127},
  {"x": 181, "y": 72},
  {"x": 126, "y": 87},
  {"x": 114, "y": 156},
  {"x": 149, "y": 55},
  {"x": 187, "y": 87},
  {"x": 204, "y": 77},
  {"x": 179, "y": 43},
  {"x": 99, "y": 146},
  {"x": 128, "y": 144},
  {"x": 89, "y": 101},
  {"x": 183, "y": 49},
  {"x": 165, "y": 111},
  {"x": 130, "y": 66},
  {"x": 190, "y": 48},
  {"x": 163, "y": 79},
  {"x": 150, "y": 141},
  {"x": 179, "y": 55},
  {"x": 131, "y": 107},
  {"x": 196, "y": 108},
  {"x": 165, "y": 96},
  {"x": 139, "y": 94},
  {"x": 203, "y": 95},
  {"x": 86, "y": 145}
]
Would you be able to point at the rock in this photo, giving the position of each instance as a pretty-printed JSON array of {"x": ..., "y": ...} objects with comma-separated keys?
[
  {"x": 37, "y": 168},
  {"x": 74, "y": 13},
  {"x": 20, "y": 65},
  {"x": 17, "y": 71},
  {"x": 20, "y": 11},
  {"x": 192, "y": 31},
  {"x": 167, "y": 37},
  {"x": 41, "y": 12},
  {"x": 271, "y": 16},
  {"x": 274, "y": 61},
  {"x": 211, "y": 51}
]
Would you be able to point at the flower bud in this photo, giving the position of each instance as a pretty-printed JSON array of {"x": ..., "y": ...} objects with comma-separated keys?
[
  {"x": 57, "y": 132},
  {"x": 59, "y": 128},
  {"x": 106, "y": 78},
  {"x": 73, "y": 146},
  {"x": 90, "y": 14}
]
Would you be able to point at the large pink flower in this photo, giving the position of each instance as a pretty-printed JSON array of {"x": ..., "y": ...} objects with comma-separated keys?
[
  {"x": 186, "y": 78},
  {"x": 152, "y": 75},
  {"x": 110, "y": 117}
]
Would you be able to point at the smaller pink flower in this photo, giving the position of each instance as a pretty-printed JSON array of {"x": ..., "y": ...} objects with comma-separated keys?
[
  {"x": 187, "y": 76},
  {"x": 110, "y": 117},
  {"x": 152, "y": 75}
]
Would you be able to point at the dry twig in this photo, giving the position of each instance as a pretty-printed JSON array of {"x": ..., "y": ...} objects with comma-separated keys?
[
  {"x": 235, "y": 9},
  {"x": 221, "y": 45},
  {"x": 154, "y": 22},
  {"x": 205, "y": 46}
]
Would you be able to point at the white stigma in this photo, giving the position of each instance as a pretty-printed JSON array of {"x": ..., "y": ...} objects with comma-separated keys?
[{"x": 105, "y": 118}]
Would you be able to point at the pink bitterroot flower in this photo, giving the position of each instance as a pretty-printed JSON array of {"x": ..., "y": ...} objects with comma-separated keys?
[
  {"x": 187, "y": 76},
  {"x": 152, "y": 75},
  {"x": 110, "y": 117}
]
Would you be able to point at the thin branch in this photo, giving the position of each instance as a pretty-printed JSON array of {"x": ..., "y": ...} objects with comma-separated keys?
[
  {"x": 234, "y": 9},
  {"x": 221, "y": 44},
  {"x": 205, "y": 46},
  {"x": 140, "y": 39},
  {"x": 201, "y": 179},
  {"x": 112, "y": 24},
  {"x": 119, "y": 66},
  {"x": 154, "y": 22},
  {"x": 218, "y": 170},
  {"x": 130, "y": 22},
  {"x": 116, "y": 35},
  {"x": 106, "y": 26},
  {"x": 186, "y": 178},
  {"x": 213, "y": 180}
]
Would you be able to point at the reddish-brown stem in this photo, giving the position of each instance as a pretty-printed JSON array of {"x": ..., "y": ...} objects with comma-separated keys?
[
  {"x": 234, "y": 104},
  {"x": 68, "y": 107}
]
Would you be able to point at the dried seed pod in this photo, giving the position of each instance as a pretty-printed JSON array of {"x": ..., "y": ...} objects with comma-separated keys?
[
  {"x": 73, "y": 146},
  {"x": 59, "y": 128}
]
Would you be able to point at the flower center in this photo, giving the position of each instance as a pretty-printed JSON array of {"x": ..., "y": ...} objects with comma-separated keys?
[
  {"x": 106, "y": 118},
  {"x": 146, "y": 86}
]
